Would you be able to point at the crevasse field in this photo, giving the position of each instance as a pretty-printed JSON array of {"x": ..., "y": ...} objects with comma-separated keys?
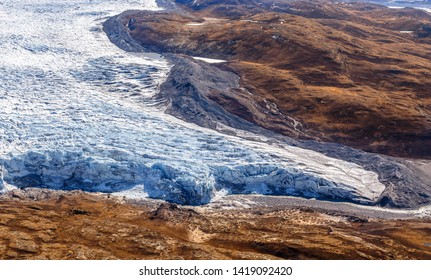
[{"x": 76, "y": 113}]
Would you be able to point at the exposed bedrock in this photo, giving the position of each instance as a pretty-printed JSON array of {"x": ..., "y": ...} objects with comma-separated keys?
[
  {"x": 118, "y": 34},
  {"x": 187, "y": 88}
]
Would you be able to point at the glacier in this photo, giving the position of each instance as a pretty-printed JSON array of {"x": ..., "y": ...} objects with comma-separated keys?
[{"x": 76, "y": 112}]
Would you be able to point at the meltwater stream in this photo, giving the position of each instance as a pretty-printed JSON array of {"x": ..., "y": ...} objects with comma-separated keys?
[{"x": 75, "y": 113}]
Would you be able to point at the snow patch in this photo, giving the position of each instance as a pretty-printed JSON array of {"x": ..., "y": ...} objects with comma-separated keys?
[
  {"x": 195, "y": 23},
  {"x": 209, "y": 60}
]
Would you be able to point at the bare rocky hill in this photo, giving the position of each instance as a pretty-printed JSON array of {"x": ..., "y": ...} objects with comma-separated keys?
[{"x": 356, "y": 74}]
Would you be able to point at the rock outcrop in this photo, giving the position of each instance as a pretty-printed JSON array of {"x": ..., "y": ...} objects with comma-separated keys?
[{"x": 83, "y": 226}]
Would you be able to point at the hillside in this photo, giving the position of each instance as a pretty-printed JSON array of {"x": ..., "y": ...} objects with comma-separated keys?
[
  {"x": 84, "y": 226},
  {"x": 351, "y": 73}
]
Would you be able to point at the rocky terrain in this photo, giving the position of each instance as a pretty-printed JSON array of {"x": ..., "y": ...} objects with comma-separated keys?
[
  {"x": 351, "y": 73},
  {"x": 61, "y": 225},
  {"x": 291, "y": 86}
]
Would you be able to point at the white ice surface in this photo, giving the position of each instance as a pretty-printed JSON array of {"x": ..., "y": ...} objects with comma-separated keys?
[
  {"x": 209, "y": 60},
  {"x": 195, "y": 23},
  {"x": 420, "y": 8},
  {"x": 75, "y": 112}
]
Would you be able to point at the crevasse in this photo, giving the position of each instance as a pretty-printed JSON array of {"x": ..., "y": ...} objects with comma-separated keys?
[{"x": 76, "y": 113}]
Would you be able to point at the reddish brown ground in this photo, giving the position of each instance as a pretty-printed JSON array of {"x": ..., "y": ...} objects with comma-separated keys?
[
  {"x": 346, "y": 73},
  {"x": 82, "y": 226}
]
